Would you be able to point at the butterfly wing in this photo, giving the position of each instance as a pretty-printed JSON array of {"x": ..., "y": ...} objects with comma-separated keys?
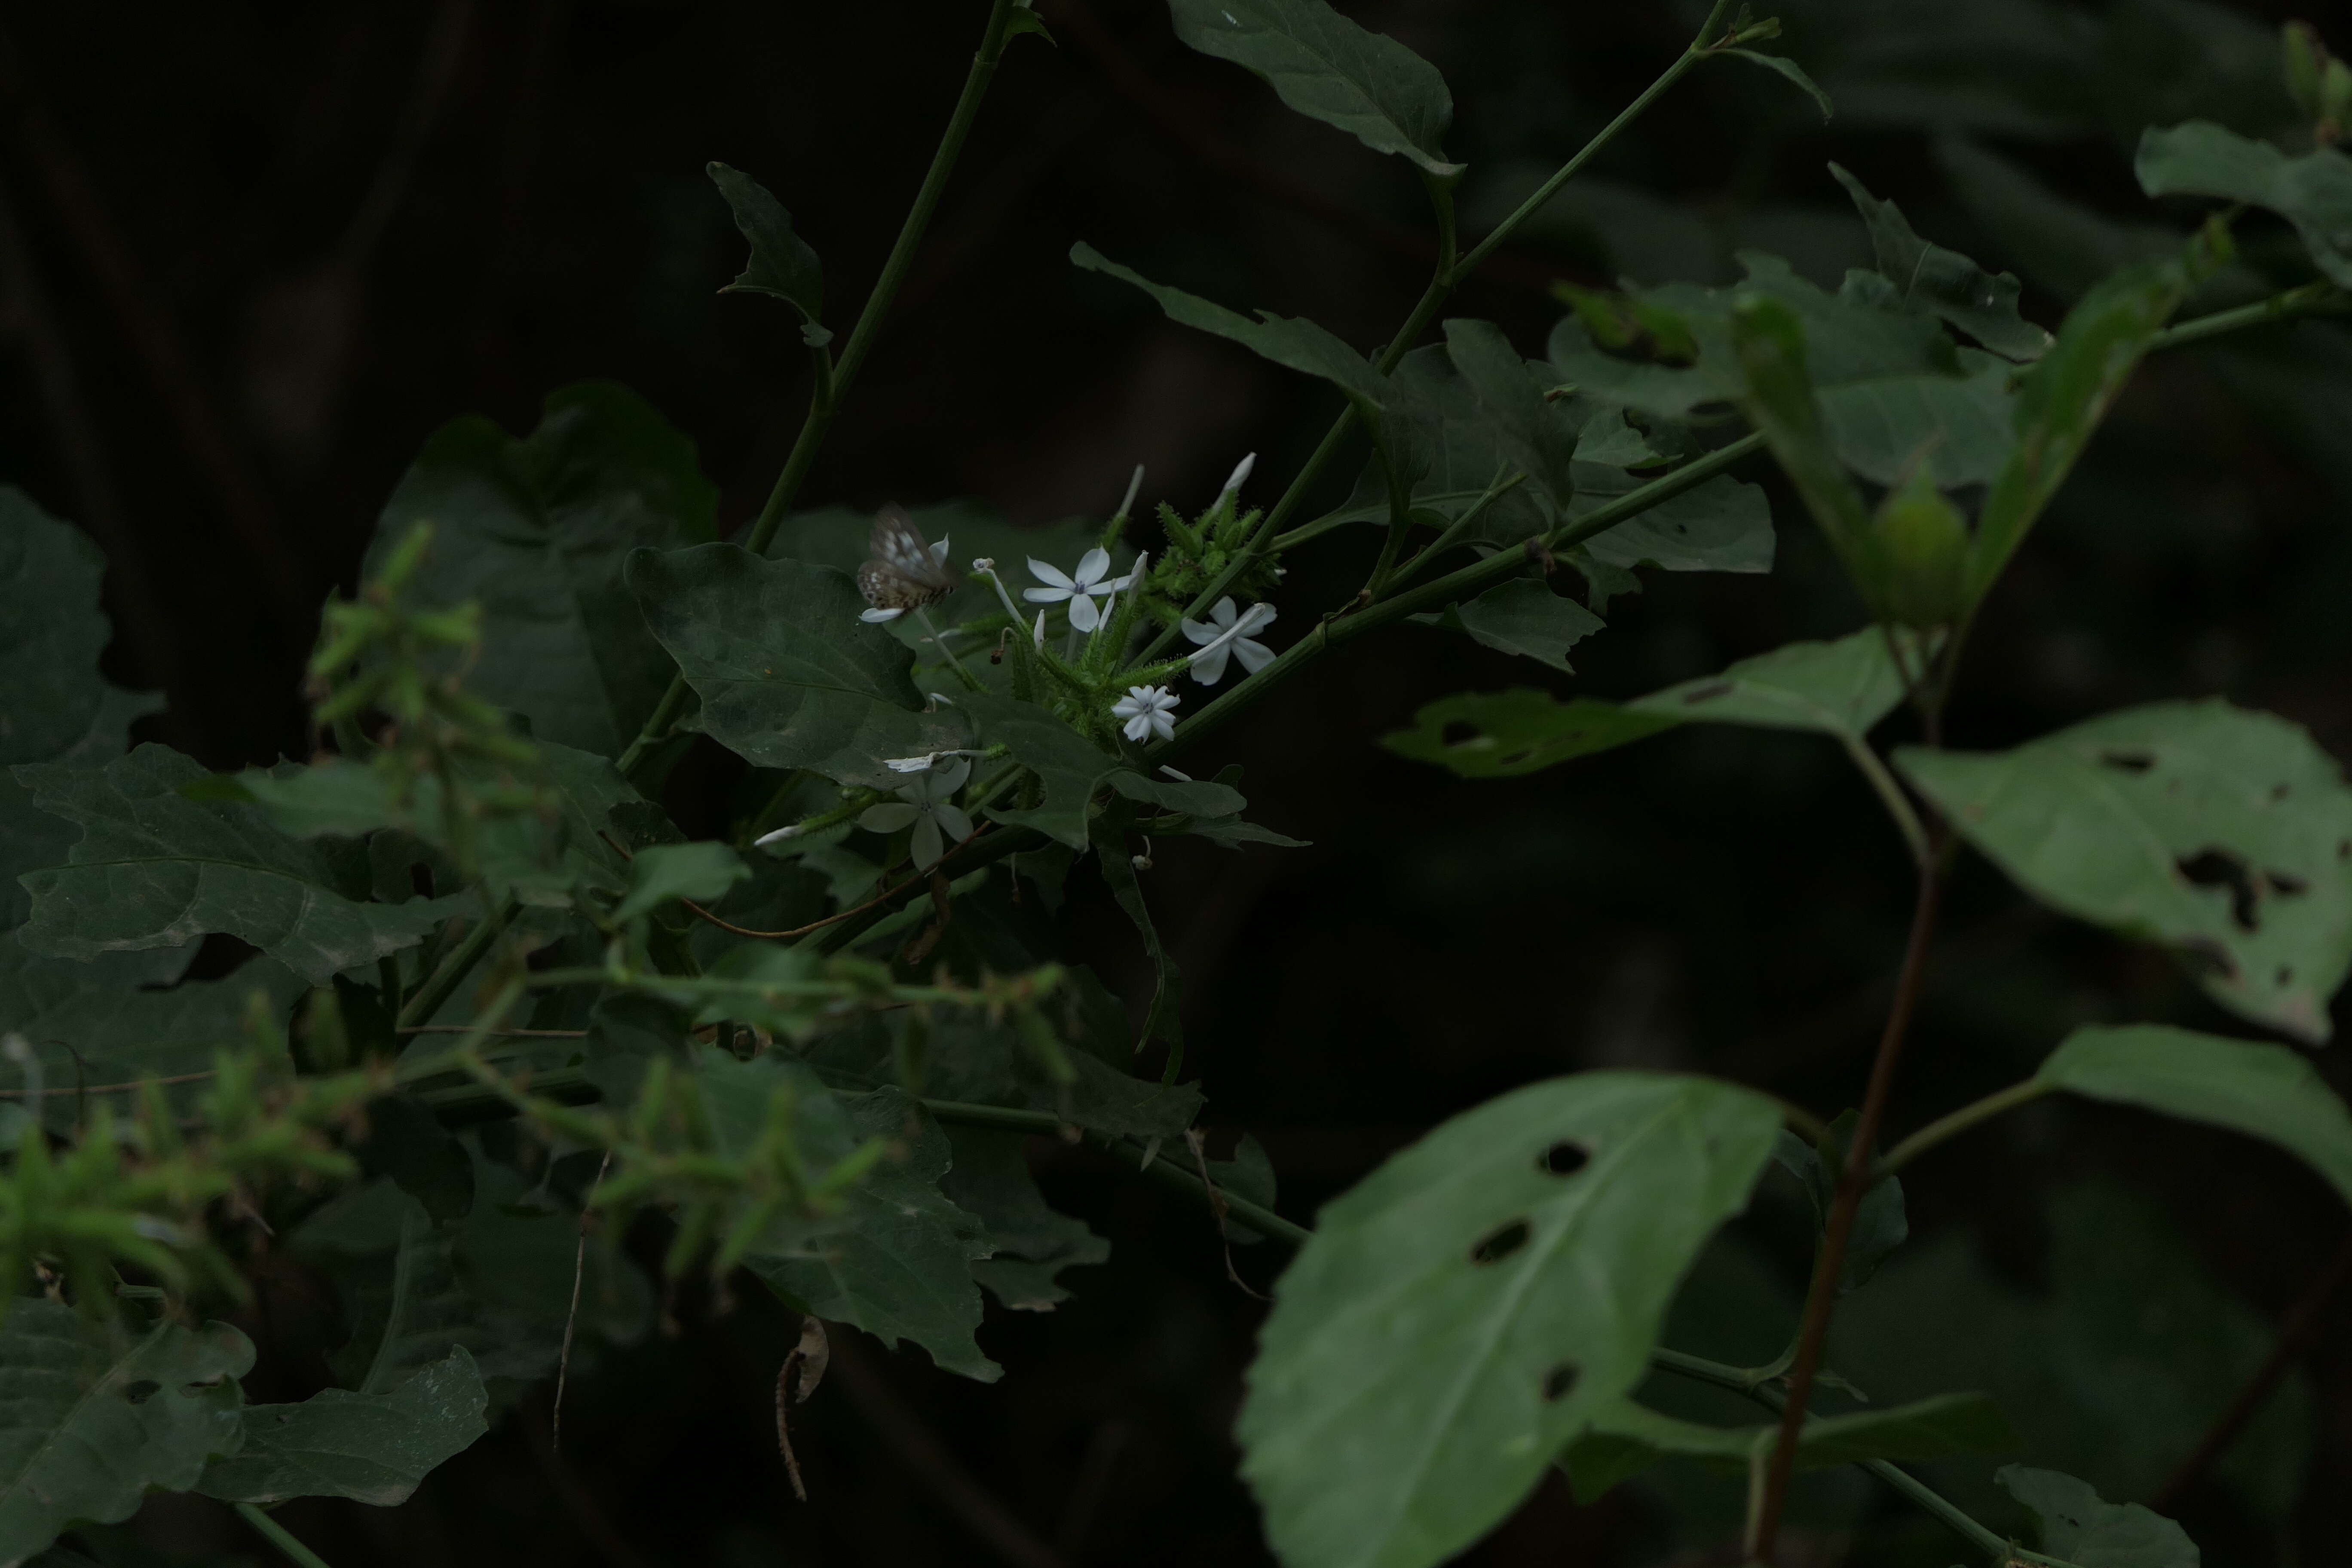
[{"x": 902, "y": 573}]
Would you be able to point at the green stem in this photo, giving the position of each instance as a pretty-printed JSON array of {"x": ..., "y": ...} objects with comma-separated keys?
[
  {"x": 2294, "y": 303},
  {"x": 834, "y": 376},
  {"x": 277, "y": 1535},
  {"x": 427, "y": 998},
  {"x": 1890, "y": 794},
  {"x": 1454, "y": 531},
  {"x": 1957, "y": 1123}
]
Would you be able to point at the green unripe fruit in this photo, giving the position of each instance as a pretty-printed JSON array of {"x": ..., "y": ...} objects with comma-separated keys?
[{"x": 1924, "y": 543}]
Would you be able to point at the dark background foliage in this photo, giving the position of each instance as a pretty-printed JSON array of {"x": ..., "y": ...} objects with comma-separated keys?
[{"x": 251, "y": 254}]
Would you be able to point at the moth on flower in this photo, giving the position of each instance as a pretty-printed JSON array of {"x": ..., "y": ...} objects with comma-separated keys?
[{"x": 904, "y": 571}]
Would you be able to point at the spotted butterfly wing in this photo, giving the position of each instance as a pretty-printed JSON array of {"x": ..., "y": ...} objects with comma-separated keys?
[{"x": 905, "y": 572}]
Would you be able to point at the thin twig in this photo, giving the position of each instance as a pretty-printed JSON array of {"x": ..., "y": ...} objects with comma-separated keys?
[
  {"x": 572, "y": 1317},
  {"x": 881, "y": 897},
  {"x": 105, "y": 1088},
  {"x": 277, "y": 1535},
  {"x": 1217, "y": 1210},
  {"x": 502, "y": 1034}
]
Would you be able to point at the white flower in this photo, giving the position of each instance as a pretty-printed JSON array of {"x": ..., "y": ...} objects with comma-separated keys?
[
  {"x": 879, "y": 615},
  {"x": 924, "y": 802},
  {"x": 1227, "y": 633},
  {"x": 921, "y": 765},
  {"x": 1148, "y": 710},
  {"x": 1081, "y": 590},
  {"x": 1239, "y": 476}
]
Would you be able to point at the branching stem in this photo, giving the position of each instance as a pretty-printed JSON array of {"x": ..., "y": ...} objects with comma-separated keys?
[{"x": 1957, "y": 1123}]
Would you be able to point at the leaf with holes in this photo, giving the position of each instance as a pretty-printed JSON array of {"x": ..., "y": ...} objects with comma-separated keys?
[
  {"x": 1520, "y": 616},
  {"x": 1980, "y": 303},
  {"x": 1627, "y": 1438},
  {"x": 789, "y": 675},
  {"x": 155, "y": 869},
  {"x": 2265, "y": 1091},
  {"x": 1327, "y": 68},
  {"x": 991, "y": 1179},
  {"x": 2313, "y": 192},
  {"x": 1292, "y": 342},
  {"x": 2223, "y": 834},
  {"x": 372, "y": 1447},
  {"x": 1838, "y": 688},
  {"x": 91, "y": 1416},
  {"x": 2082, "y": 1529},
  {"x": 535, "y": 529},
  {"x": 1477, "y": 1302}
]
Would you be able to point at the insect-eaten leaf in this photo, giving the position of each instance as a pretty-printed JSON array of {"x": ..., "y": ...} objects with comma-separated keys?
[
  {"x": 1521, "y": 616},
  {"x": 2221, "y": 834},
  {"x": 1525, "y": 1253},
  {"x": 2313, "y": 190},
  {"x": 781, "y": 265},
  {"x": 2079, "y": 1527},
  {"x": 371, "y": 1448},
  {"x": 1980, "y": 303}
]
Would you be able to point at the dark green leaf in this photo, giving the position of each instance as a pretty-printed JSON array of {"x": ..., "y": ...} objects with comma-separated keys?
[
  {"x": 1770, "y": 342},
  {"x": 1537, "y": 434},
  {"x": 372, "y": 1447},
  {"x": 1294, "y": 343},
  {"x": 1248, "y": 1174},
  {"x": 1192, "y": 797},
  {"x": 536, "y": 530},
  {"x": 2265, "y": 1091},
  {"x": 1069, "y": 766},
  {"x": 1884, "y": 429},
  {"x": 1032, "y": 1244},
  {"x": 53, "y": 706},
  {"x": 2217, "y": 832},
  {"x": 781, "y": 266},
  {"x": 661, "y": 872},
  {"x": 1521, "y": 616},
  {"x": 1627, "y": 1438},
  {"x": 1325, "y": 67},
  {"x": 2313, "y": 192},
  {"x": 1783, "y": 66},
  {"x": 91, "y": 1417},
  {"x": 1505, "y": 733},
  {"x": 1722, "y": 525},
  {"x": 1468, "y": 1309},
  {"x": 1980, "y": 303},
  {"x": 1879, "y": 1225},
  {"x": 2078, "y": 1526},
  {"x": 789, "y": 675},
  {"x": 1455, "y": 450},
  {"x": 155, "y": 868}
]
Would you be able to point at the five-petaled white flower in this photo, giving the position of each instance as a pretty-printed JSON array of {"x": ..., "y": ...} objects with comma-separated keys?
[
  {"x": 1148, "y": 710},
  {"x": 1081, "y": 590},
  {"x": 1228, "y": 633},
  {"x": 924, "y": 802}
]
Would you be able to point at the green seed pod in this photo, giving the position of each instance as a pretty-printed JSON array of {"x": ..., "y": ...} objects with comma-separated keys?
[{"x": 1924, "y": 542}]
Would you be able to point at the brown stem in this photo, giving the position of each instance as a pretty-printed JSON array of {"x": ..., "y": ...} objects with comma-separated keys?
[
  {"x": 1829, "y": 1264},
  {"x": 2296, "y": 1330}
]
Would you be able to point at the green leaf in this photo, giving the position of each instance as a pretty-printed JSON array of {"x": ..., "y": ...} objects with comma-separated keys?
[
  {"x": 1627, "y": 1438},
  {"x": 372, "y": 1447},
  {"x": 2313, "y": 192},
  {"x": 661, "y": 872},
  {"x": 55, "y": 705},
  {"x": 1537, "y": 434},
  {"x": 2083, "y": 1530},
  {"x": 1788, "y": 70},
  {"x": 1980, "y": 303},
  {"x": 1521, "y": 615},
  {"x": 789, "y": 675},
  {"x": 2218, "y": 833},
  {"x": 1069, "y": 766},
  {"x": 1326, "y": 68},
  {"x": 781, "y": 266},
  {"x": 2067, "y": 393},
  {"x": 120, "y": 1017},
  {"x": 1193, "y": 797},
  {"x": 1292, "y": 342},
  {"x": 91, "y": 1417},
  {"x": 1880, "y": 1224},
  {"x": 1469, "y": 1308},
  {"x": 155, "y": 868},
  {"x": 896, "y": 1259},
  {"x": 1838, "y": 688},
  {"x": 1884, "y": 429},
  {"x": 1455, "y": 447},
  {"x": 1722, "y": 525},
  {"x": 1770, "y": 342},
  {"x": 2265, "y": 1091},
  {"x": 991, "y": 1179},
  {"x": 536, "y": 530}
]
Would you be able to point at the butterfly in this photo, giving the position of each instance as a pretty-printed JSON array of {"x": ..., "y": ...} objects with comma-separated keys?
[{"x": 906, "y": 572}]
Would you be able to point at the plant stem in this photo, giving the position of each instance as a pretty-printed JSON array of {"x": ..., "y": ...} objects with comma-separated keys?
[
  {"x": 2301, "y": 302},
  {"x": 834, "y": 376},
  {"x": 1890, "y": 795},
  {"x": 1957, "y": 1123},
  {"x": 1853, "y": 1181},
  {"x": 1453, "y": 532},
  {"x": 279, "y": 1536},
  {"x": 427, "y": 998}
]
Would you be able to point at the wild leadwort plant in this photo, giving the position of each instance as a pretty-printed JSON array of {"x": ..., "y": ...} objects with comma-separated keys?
[{"x": 735, "y": 1038}]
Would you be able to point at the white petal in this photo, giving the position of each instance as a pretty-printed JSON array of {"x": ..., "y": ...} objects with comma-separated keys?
[
  {"x": 1254, "y": 655},
  {"x": 887, "y": 817},
  {"x": 1209, "y": 664},
  {"x": 1164, "y": 725},
  {"x": 911, "y": 764},
  {"x": 1240, "y": 475},
  {"x": 1049, "y": 574},
  {"x": 1040, "y": 628},
  {"x": 879, "y": 615},
  {"x": 1258, "y": 617},
  {"x": 1092, "y": 565},
  {"x": 1049, "y": 595},
  {"x": 1198, "y": 631},
  {"x": 925, "y": 843},
  {"x": 1084, "y": 616},
  {"x": 1137, "y": 727},
  {"x": 939, "y": 553},
  {"x": 1171, "y": 772},
  {"x": 953, "y": 821},
  {"x": 1223, "y": 613},
  {"x": 790, "y": 830},
  {"x": 949, "y": 780}
]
